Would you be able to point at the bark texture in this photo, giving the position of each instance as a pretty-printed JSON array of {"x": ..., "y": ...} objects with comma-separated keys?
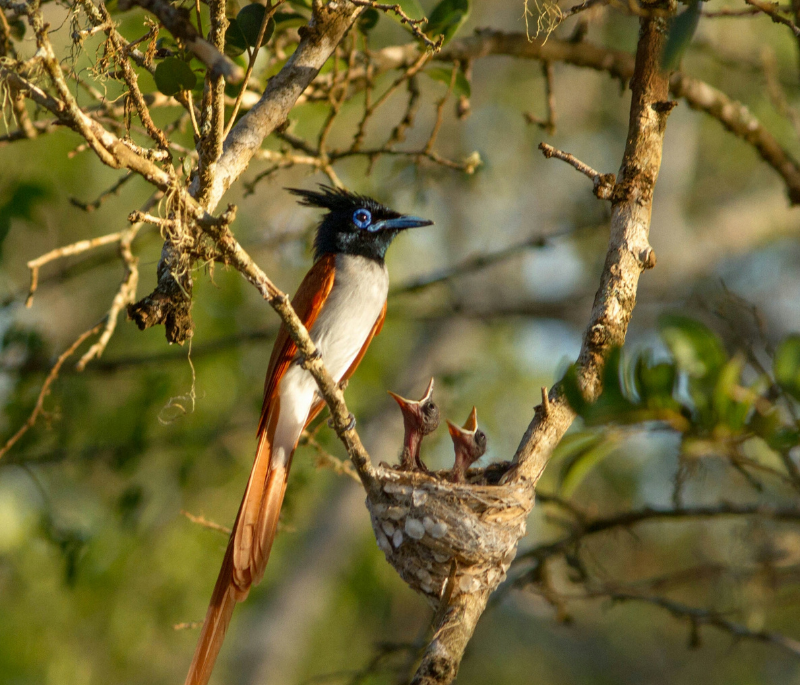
[
  {"x": 170, "y": 302},
  {"x": 464, "y": 594},
  {"x": 629, "y": 251}
]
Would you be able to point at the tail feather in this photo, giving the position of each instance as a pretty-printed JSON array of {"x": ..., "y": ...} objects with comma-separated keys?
[
  {"x": 216, "y": 623},
  {"x": 246, "y": 556}
]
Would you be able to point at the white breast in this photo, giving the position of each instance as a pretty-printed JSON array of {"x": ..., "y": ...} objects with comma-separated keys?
[
  {"x": 351, "y": 310},
  {"x": 359, "y": 292}
]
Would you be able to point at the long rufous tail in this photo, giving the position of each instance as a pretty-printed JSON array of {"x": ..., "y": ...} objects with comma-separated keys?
[{"x": 246, "y": 556}]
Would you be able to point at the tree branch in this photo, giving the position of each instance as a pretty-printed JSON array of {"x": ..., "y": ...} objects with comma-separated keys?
[
  {"x": 628, "y": 254},
  {"x": 733, "y": 115},
  {"x": 178, "y": 24},
  {"x": 318, "y": 41},
  {"x": 629, "y": 251}
]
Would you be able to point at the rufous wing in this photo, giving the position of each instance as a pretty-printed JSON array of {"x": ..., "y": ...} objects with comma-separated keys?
[{"x": 249, "y": 547}]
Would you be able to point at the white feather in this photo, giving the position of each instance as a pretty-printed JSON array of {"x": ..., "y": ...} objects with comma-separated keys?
[{"x": 359, "y": 292}]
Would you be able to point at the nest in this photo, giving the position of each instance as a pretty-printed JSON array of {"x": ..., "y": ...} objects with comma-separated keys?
[{"x": 432, "y": 530}]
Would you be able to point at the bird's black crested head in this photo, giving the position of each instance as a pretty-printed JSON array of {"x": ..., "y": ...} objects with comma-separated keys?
[{"x": 354, "y": 224}]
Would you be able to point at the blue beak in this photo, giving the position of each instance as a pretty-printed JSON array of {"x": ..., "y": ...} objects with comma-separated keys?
[{"x": 401, "y": 223}]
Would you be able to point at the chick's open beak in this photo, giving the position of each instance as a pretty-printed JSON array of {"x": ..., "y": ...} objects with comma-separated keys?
[{"x": 413, "y": 406}]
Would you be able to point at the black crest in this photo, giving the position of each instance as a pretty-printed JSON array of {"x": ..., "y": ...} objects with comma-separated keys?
[
  {"x": 338, "y": 200},
  {"x": 337, "y": 232}
]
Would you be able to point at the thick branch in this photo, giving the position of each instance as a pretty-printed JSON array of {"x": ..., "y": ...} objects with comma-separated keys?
[
  {"x": 177, "y": 22},
  {"x": 318, "y": 41},
  {"x": 628, "y": 254},
  {"x": 443, "y": 655}
]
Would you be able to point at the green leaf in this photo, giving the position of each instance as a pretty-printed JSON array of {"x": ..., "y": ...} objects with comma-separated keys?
[
  {"x": 460, "y": 87},
  {"x": 235, "y": 42},
  {"x": 249, "y": 20},
  {"x": 287, "y": 20},
  {"x": 447, "y": 17},
  {"x": 303, "y": 4},
  {"x": 173, "y": 75},
  {"x": 784, "y": 439},
  {"x": 696, "y": 348},
  {"x": 786, "y": 365},
  {"x": 655, "y": 382},
  {"x": 680, "y": 35},
  {"x": 368, "y": 19},
  {"x": 768, "y": 426},
  {"x": 731, "y": 411},
  {"x": 581, "y": 463}
]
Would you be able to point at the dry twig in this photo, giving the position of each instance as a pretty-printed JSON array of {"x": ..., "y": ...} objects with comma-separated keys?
[
  {"x": 772, "y": 10},
  {"x": 413, "y": 24},
  {"x": 603, "y": 183},
  {"x": 211, "y": 525},
  {"x": 51, "y": 377},
  {"x": 179, "y": 25}
]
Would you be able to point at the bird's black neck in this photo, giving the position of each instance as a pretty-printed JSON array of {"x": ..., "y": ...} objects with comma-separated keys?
[{"x": 331, "y": 240}]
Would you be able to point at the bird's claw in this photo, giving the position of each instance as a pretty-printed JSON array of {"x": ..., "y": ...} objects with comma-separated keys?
[
  {"x": 350, "y": 425},
  {"x": 307, "y": 361}
]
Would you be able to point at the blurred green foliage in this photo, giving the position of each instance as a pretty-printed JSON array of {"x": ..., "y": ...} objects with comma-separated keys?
[{"x": 96, "y": 561}]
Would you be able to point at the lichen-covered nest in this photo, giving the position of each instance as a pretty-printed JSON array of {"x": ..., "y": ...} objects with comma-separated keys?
[{"x": 424, "y": 523}]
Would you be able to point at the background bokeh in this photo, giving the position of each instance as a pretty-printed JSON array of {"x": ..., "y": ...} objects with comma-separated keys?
[{"x": 97, "y": 564}]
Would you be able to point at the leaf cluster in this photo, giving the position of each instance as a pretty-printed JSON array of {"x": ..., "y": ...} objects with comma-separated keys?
[{"x": 713, "y": 399}]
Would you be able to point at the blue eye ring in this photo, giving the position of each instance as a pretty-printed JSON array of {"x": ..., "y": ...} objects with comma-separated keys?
[{"x": 362, "y": 217}]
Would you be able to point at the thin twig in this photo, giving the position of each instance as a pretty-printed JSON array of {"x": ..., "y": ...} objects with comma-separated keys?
[
  {"x": 437, "y": 125},
  {"x": 326, "y": 459},
  {"x": 125, "y": 295},
  {"x": 180, "y": 27},
  {"x": 582, "y": 7},
  {"x": 603, "y": 183},
  {"x": 549, "y": 123},
  {"x": 479, "y": 261},
  {"x": 268, "y": 14},
  {"x": 772, "y": 11},
  {"x": 68, "y": 250},
  {"x": 211, "y": 525},
  {"x": 89, "y": 207},
  {"x": 413, "y": 24},
  {"x": 706, "y": 617},
  {"x": 51, "y": 377}
]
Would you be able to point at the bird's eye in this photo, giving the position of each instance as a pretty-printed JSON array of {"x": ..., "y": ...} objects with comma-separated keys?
[
  {"x": 480, "y": 438},
  {"x": 430, "y": 408},
  {"x": 362, "y": 218}
]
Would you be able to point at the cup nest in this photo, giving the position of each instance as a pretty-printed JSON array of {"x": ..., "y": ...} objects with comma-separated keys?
[{"x": 424, "y": 523}]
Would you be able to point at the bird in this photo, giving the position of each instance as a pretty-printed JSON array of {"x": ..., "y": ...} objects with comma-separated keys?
[
  {"x": 469, "y": 444},
  {"x": 420, "y": 418},
  {"x": 342, "y": 303}
]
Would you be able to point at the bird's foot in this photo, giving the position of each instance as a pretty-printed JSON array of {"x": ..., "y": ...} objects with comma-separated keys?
[
  {"x": 307, "y": 361},
  {"x": 457, "y": 475},
  {"x": 419, "y": 466},
  {"x": 350, "y": 425}
]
